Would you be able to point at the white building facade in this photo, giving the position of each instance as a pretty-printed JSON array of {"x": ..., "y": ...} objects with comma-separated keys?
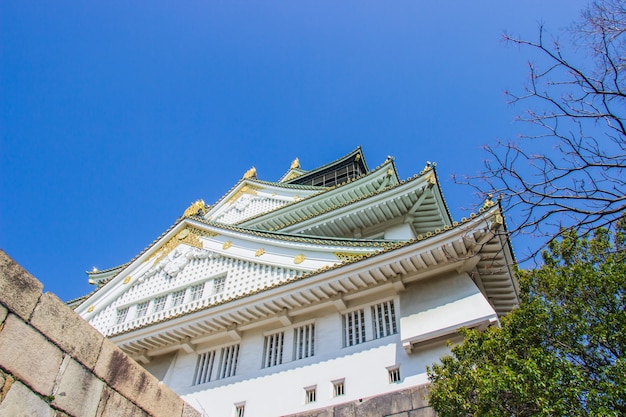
[{"x": 328, "y": 286}]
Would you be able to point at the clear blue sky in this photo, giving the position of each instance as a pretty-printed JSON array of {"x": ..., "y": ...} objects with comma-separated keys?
[{"x": 116, "y": 115}]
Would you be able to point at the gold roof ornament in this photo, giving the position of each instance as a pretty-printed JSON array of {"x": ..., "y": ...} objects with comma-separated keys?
[
  {"x": 251, "y": 173},
  {"x": 295, "y": 164},
  {"x": 428, "y": 166},
  {"x": 489, "y": 202},
  {"x": 194, "y": 208}
]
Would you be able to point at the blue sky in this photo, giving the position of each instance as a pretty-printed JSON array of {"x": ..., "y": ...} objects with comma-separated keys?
[{"x": 115, "y": 116}]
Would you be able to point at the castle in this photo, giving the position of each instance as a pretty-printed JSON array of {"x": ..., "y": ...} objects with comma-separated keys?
[{"x": 328, "y": 286}]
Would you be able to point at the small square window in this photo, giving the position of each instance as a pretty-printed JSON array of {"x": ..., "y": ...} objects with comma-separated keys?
[
  {"x": 240, "y": 410},
  {"x": 339, "y": 388},
  {"x": 159, "y": 303},
  {"x": 394, "y": 375},
  {"x": 310, "y": 394},
  {"x": 142, "y": 309},
  {"x": 121, "y": 315},
  {"x": 196, "y": 292},
  {"x": 178, "y": 297}
]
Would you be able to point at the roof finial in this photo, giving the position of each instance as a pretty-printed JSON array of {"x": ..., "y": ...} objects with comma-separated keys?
[
  {"x": 295, "y": 164},
  {"x": 428, "y": 166},
  {"x": 251, "y": 173},
  {"x": 489, "y": 202},
  {"x": 195, "y": 208}
]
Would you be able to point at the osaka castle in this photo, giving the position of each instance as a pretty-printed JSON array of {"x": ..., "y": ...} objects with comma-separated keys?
[{"x": 330, "y": 285}]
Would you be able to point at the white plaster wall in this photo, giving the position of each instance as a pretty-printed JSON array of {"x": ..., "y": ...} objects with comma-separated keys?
[{"x": 400, "y": 232}]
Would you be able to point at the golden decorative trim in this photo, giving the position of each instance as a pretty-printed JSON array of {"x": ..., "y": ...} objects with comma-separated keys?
[
  {"x": 295, "y": 164},
  {"x": 357, "y": 157},
  {"x": 346, "y": 256},
  {"x": 189, "y": 236},
  {"x": 246, "y": 189},
  {"x": 91, "y": 309},
  {"x": 499, "y": 219},
  {"x": 296, "y": 197},
  {"x": 431, "y": 179},
  {"x": 298, "y": 259},
  {"x": 194, "y": 208},
  {"x": 251, "y": 173},
  {"x": 489, "y": 202},
  {"x": 259, "y": 252},
  {"x": 126, "y": 280},
  {"x": 227, "y": 245}
]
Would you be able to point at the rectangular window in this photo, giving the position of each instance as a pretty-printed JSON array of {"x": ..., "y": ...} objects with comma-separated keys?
[
  {"x": 142, "y": 309},
  {"x": 228, "y": 361},
  {"x": 218, "y": 285},
  {"x": 310, "y": 396},
  {"x": 273, "y": 350},
  {"x": 384, "y": 319},
  {"x": 196, "y": 292},
  {"x": 121, "y": 315},
  {"x": 240, "y": 410},
  {"x": 354, "y": 328},
  {"x": 159, "y": 303},
  {"x": 204, "y": 368},
  {"x": 339, "y": 388},
  {"x": 394, "y": 375},
  {"x": 178, "y": 297},
  {"x": 304, "y": 341}
]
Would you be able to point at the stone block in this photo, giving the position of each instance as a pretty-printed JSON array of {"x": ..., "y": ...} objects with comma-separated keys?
[
  {"x": 344, "y": 410},
  {"x": 402, "y": 414},
  {"x": 67, "y": 329},
  {"x": 423, "y": 412},
  {"x": 3, "y": 313},
  {"x": 189, "y": 411},
  {"x": 22, "y": 402},
  {"x": 19, "y": 290},
  {"x": 78, "y": 391},
  {"x": 29, "y": 356},
  {"x": 113, "y": 404},
  {"x": 133, "y": 381},
  {"x": 419, "y": 397}
]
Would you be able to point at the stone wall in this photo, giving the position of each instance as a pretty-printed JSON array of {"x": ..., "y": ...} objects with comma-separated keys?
[
  {"x": 53, "y": 363},
  {"x": 412, "y": 402}
]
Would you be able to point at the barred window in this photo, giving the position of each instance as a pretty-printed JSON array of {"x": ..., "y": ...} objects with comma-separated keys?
[
  {"x": 204, "y": 368},
  {"x": 304, "y": 341},
  {"x": 142, "y": 309},
  {"x": 339, "y": 388},
  {"x": 310, "y": 394},
  {"x": 240, "y": 410},
  {"x": 273, "y": 350},
  {"x": 384, "y": 319},
  {"x": 218, "y": 285},
  {"x": 178, "y": 297},
  {"x": 228, "y": 361},
  {"x": 354, "y": 328},
  {"x": 121, "y": 315},
  {"x": 394, "y": 375},
  {"x": 196, "y": 292},
  {"x": 159, "y": 303}
]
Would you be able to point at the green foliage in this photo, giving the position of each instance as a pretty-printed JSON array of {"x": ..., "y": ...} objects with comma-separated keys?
[{"x": 561, "y": 353}]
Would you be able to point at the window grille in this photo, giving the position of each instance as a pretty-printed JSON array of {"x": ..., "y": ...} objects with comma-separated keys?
[
  {"x": 394, "y": 375},
  {"x": 178, "y": 297},
  {"x": 142, "y": 309},
  {"x": 196, "y": 292},
  {"x": 273, "y": 350},
  {"x": 204, "y": 368},
  {"x": 310, "y": 395},
  {"x": 304, "y": 341},
  {"x": 121, "y": 315},
  {"x": 159, "y": 303},
  {"x": 384, "y": 319},
  {"x": 240, "y": 410},
  {"x": 218, "y": 285},
  {"x": 339, "y": 388},
  {"x": 354, "y": 328},
  {"x": 228, "y": 361}
]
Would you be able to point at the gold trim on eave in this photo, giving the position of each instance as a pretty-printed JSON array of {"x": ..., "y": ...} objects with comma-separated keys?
[
  {"x": 194, "y": 208},
  {"x": 126, "y": 280},
  {"x": 259, "y": 252},
  {"x": 298, "y": 259},
  {"x": 227, "y": 244}
]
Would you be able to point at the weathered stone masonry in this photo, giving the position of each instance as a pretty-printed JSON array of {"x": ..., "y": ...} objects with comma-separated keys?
[{"x": 53, "y": 363}]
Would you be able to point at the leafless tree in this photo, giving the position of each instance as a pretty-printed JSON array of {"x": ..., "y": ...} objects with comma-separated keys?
[{"x": 568, "y": 170}]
